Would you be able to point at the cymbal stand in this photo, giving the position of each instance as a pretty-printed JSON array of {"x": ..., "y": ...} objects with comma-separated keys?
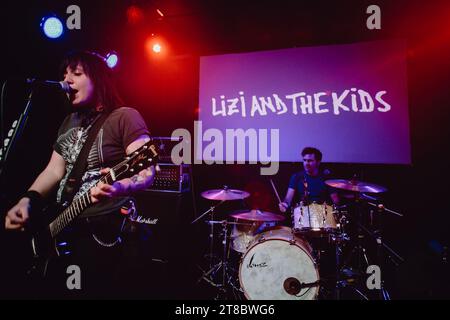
[
  {"x": 361, "y": 257},
  {"x": 221, "y": 264},
  {"x": 339, "y": 238},
  {"x": 211, "y": 234},
  {"x": 380, "y": 247},
  {"x": 377, "y": 236}
]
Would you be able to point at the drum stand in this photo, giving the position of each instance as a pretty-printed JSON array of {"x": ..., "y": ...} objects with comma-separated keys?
[
  {"x": 341, "y": 282},
  {"x": 362, "y": 257},
  {"x": 345, "y": 274},
  {"x": 211, "y": 234},
  {"x": 381, "y": 246},
  {"x": 226, "y": 278}
]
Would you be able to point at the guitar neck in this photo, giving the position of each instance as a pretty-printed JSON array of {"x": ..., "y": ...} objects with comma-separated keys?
[
  {"x": 142, "y": 158},
  {"x": 75, "y": 209}
]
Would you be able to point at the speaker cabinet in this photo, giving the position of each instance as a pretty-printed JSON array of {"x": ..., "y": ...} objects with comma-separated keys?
[{"x": 166, "y": 242}]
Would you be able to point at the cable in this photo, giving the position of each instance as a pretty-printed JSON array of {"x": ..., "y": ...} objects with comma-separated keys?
[
  {"x": 301, "y": 295},
  {"x": 191, "y": 174},
  {"x": 2, "y": 127}
]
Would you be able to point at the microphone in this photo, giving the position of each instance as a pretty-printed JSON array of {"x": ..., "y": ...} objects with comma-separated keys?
[
  {"x": 61, "y": 85},
  {"x": 293, "y": 286}
]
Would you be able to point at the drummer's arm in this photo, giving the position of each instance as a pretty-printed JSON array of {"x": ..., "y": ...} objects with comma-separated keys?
[{"x": 283, "y": 206}]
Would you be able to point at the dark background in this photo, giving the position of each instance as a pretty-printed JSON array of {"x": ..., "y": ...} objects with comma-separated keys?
[{"x": 165, "y": 91}]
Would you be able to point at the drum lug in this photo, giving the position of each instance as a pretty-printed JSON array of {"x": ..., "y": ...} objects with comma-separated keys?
[{"x": 315, "y": 262}]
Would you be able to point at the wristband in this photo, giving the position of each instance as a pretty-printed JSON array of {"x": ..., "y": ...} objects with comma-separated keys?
[{"x": 35, "y": 197}]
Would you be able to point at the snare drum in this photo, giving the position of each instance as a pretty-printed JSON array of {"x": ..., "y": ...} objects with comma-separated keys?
[{"x": 314, "y": 218}]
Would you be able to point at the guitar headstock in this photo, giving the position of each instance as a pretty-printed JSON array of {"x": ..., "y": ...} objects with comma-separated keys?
[{"x": 142, "y": 158}]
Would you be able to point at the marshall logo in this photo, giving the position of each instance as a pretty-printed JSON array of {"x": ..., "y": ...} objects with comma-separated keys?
[
  {"x": 256, "y": 265},
  {"x": 140, "y": 219}
]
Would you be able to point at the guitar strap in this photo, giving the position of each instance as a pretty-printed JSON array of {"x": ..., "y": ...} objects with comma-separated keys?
[{"x": 73, "y": 182}]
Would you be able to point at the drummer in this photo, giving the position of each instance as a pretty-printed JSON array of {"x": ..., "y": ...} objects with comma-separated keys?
[{"x": 310, "y": 182}]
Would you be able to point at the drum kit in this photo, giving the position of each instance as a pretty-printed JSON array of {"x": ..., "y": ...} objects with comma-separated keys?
[{"x": 265, "y": 256}]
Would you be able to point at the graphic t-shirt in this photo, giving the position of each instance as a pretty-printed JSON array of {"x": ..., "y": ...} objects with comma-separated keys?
[{"x": 120, "y": 129}]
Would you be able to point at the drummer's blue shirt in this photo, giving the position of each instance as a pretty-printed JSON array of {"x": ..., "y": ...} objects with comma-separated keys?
[{"x": 316, "y": 188}]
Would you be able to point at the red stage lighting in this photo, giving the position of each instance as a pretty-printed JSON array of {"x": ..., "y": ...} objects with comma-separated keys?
[
  {"x": 134, "y": 14},
  {"x": 156, "y": 48}
]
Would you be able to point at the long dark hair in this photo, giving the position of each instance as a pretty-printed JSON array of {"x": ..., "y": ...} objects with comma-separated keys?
[{"x": 96, "y": 69}]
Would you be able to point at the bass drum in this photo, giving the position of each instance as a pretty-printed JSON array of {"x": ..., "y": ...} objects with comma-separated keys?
[
  {"x": 279, "y": 266},
  {"x": 244, "y": 233}
]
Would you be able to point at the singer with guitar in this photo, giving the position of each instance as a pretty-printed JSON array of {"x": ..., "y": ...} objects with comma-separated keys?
[{"x": 89, "y": 176}]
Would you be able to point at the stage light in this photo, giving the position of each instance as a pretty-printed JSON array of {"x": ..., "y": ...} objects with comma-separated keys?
[
  {"x": 52, "y": 27},
  {"x": 112, "y": 59},
  {"x": 156, "y": 48},
  {"x": 160, "y": 13},
  {"x": 134, "y": 14}
]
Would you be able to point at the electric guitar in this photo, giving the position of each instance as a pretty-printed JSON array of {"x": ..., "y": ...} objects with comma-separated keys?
[{"x": 44, "y": 233}]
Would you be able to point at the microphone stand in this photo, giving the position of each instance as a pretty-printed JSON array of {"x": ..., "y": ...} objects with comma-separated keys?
[
  {"x": 17, "y": 128},
  {"x": 377, "y": 236},
  {"x": 381, "y": 207},
  {"x": 358, "y": 254}
]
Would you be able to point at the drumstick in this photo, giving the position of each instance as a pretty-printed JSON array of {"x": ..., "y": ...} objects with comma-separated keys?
[{"x": 275, "y": 189}]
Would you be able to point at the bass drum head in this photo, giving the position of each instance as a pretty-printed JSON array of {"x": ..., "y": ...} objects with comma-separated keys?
[{"x": 276, "y": 265}]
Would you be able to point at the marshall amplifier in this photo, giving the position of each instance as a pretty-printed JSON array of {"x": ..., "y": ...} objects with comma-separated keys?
[
  {"x": 166, "y": 243},
  {"x": 172, "y": 178},
  {"x": 162, "y": 221}
]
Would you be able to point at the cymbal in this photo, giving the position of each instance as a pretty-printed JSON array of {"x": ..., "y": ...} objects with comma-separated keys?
[
  {"x": 225, "y": 194},
  {"x": 356, "y": 186},
  {"x": 225, "y": 222},
  {"x": 362, "y": 196},
  {"x": 258, "y": 215}
]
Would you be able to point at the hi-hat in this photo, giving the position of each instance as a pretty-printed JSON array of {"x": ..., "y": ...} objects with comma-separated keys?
[
  {"x": 257, "y": 215},
  {"x": 356, "y": 186},
  {"x": 225, "y": 194}
]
